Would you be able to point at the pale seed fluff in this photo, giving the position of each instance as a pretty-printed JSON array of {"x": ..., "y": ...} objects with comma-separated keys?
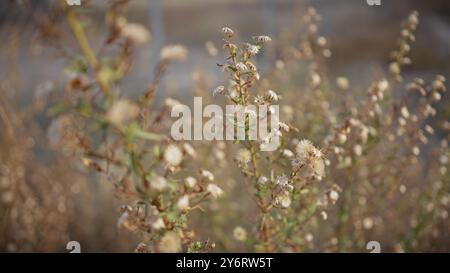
[
  {"x": 190, "y": 182},
  {"x": 402, "y": 189},
  {"x": 122, "y": 112},
  {"x": 342, "y": 138},
  {"x": 170, "y": 243},
  {"x": 189, "y": 150},
  {"x": 383, "y": 85},
  {"x": 134, "y": 32},
  {"x": 251, "y": 66},
  {"x": 259, "y": 100},
  {"x": 214, "y": 190},
  {"x": 207, "y": 174},
  {"x": 173, "y": 155},
  {"x": 283, "y": 200},
  {"x": 272, "y": 95},
  {"x": 429, "y": 129},
  {"x": 288, "y": 153},
  {"x": 404, "y": 111},
  {"x": 262, "y": 39},
  {"x": 183, "y": 203},
  {"x": 284, "y": 126},
  {"x": 343, "y": 83},
  {"x": 324, "y": 215},
  {"x": 262, "y": 180},
  {"x": 219, "y": 90},
  {"x": 309, "y": 237},
  {"x": 169, "y": 102},
  {"x": 239, "y": 233},
  {"x": 357, "y": 149},
  {"x": 173, "y": 53},
  {"x": 322, "y": 41},
  {"x": 7, "y": 197},
  {"x": 252, "y": 50},
  {"x": 306, "y": 150},
  {"x": 159, "y": 183},
  {"x": 368, "y": 223},
  {"x": 443, "y": 159},
  {"x": 241, "y": 67},
  {"x": 316, "y": 79},
  {"x": 279, "y": 64},
  {"x": 334, "y": 196},
  {"x": 211, "y": 48}
]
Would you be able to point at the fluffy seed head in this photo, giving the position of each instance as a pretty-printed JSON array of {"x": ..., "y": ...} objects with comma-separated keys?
[
  {"x": 239, "y": 233},
  {"x": 183, "y": 203},
  {"x": 170, "y": 243},
  {"x": 173, "y": 53},
  {"x": 121, "y": 112},
  {"x": 262, "y": 39}
]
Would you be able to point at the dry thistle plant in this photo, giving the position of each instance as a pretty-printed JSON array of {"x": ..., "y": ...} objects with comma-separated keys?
[{"x": 124, "y": 141}]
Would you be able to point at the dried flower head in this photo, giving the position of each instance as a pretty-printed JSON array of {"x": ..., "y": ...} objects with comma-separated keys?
[
  {"x": 262, "y": 39},
  {"x": 189, "y": 150},
  {"x": 158, "y": 224},
  {"x": 243, "y": 156},
  {"x": 190, "y": 181},
  {"x": 159, "y": 183},
  {"x": 283, "y": 200},
  {"x": 311, "y": 158},
  {"x": 228, "y": 32},
  {"x": 252, "y": 50},
  {"x": 183, "y": 203},
  {"x": 173, "y": 53},
  {"x": 273, "y": 96},
  {"x": 241, "y": 67},
  {"x": 173, "y": 155},
  {"x": 333, "y": 195},
  {"x": 343, "y": 83},
  {"x": 207, "y": 174},
  {"x": 306, "y": 150},
  {"x": 262, "y": 180},
  {"x": 219, "y": 90}
]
